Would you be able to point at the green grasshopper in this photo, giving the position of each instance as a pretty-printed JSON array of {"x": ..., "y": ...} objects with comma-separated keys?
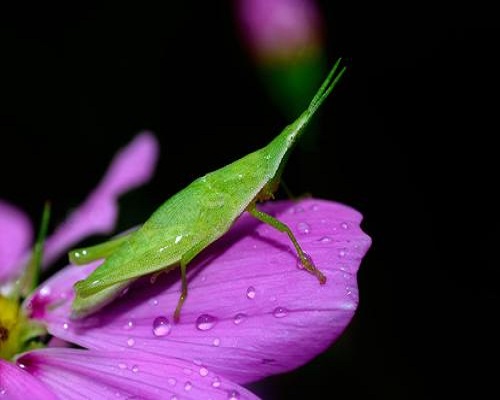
[{"x": 194, "y": 218}]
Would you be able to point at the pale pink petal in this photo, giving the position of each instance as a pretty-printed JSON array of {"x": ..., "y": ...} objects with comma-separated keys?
[
  {"x": 17, "y": 384},
  {"x": 274, "y": 28},
  {"x": 16, "y": 235},
  {"x": 132, "y": 166},
  {"x": 251, "y": 311},
  {"x": 82, "y": 374}
]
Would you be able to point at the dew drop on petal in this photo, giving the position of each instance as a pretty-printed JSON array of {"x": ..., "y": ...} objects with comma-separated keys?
[
  {"x": 344, "y": 225},
  {"x": 300, "y": 264},
  {"x": 65, "y": 326},
  {"x": 216, "y": 382},
  {"x": 122, "y": 365},
  {"x": 280, "y": 312},
  {"x": 130, "y": 342},
  {"x": 3, "y": 392},
  {"x": 123, "y": 292},
  {"x": 325, "y": 239},
  {"x": 161, "y": 326},
  {"x": 205, "y": 322},
  {"x": 239, "y": 318},
  {"x": 171, "y": 381},
  {"x": 251, "y": 292},
  {"x": 203, "y": 371},
  {"x": 135, "y": 369},
  {"x": 342, "y": 252},
  {"x": 45, "y": 291},
  {"x": 233, "y": 395},
  {"x": 128, "y": 325},
  {"x": 303, "y": 227},
  {"x": 216, "y": 342},
  {"x": 188, "y": 386},
  {"x": 153, "y": 302}
]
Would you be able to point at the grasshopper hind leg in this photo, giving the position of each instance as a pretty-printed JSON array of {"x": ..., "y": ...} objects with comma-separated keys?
[{"x": 270, "y": 220}]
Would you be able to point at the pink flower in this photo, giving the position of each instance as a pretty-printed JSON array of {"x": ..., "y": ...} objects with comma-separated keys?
[
  {"x": 280, "y": 30},
  {"x": 252, "y": 311}
]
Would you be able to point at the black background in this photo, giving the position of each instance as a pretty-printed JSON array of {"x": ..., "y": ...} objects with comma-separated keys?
[{"x": 410, "y": 143}]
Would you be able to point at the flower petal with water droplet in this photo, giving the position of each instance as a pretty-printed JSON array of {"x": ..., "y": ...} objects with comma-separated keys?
[
  {"x": 290, "y": 319},
  {"x": 17, "y": 384},
  {"x": 77, "y": 374}
]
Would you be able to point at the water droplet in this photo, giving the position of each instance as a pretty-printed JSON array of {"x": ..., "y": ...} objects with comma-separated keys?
[
  {"x": 216, "y": 382},
  {"x": 123, "y": 292},
  {"x": 300, "y": 264},
  {"x": 342, "y": 252},
  {"x": 135, "y": 369},
  {"x": 122, "y": 365},
  {"x": 130, "y": 342},
  {"x": 280, "y": 312},
  {"x": 325, "y": 239},
  {"x": 172, "y": 381},
  {"x": 203, "y": 371},
  {"x": 95, "y": 283},
  {"x": 45, "y": 291},
  {"x": 297, "y": 209},
  {"x": 205, "y": 322},
  {"x": 251, "y": 292},
  {"x": 128, "y": 325},
  {"x": 65, "y": 326},
  {"x": 303, "y": 227},
  {"x": 233, "y": 395},
  {"x": 161, "y": 326},
  {"x": 3, "y": 391},
  {"x": 344, "y": 225},
  {"x": 216, "y": 342},
  {"x": 153, "y": 302},
  {"x": 188, "y": 386},
  {"x": 239, "y": 318}
]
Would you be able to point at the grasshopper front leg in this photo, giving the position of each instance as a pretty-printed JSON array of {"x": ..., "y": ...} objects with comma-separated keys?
[
  {"x": 185, "y": 260},
  {"x": 86, "y": 255}
]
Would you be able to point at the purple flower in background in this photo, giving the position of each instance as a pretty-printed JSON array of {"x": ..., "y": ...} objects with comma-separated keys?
[
  {"x": 252, "y": 311},
  {"x": 280, "y": 30}
]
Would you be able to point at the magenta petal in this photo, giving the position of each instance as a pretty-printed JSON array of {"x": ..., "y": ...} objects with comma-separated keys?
[
  {"x": 83, "y": 374},
  {"x": 16, "y": 235},
  {"x": 251, "y": 311},
  {"x": 131, "y": 167},
  {"x": 17, "y": 384}
]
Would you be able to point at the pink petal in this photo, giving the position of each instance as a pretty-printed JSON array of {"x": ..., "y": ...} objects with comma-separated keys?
[
  {"x": 17, "y": 384},
  {"x": 83, "y": 374},
  {"x": 16, "y": 235},
  {"x": 131, "y": 167},
  {"x": 250, "y": 312},
  {"x": 274, "y": 28}
]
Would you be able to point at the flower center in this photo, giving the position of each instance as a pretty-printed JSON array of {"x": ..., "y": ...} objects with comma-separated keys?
[{"x": 10, "y": 327}]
